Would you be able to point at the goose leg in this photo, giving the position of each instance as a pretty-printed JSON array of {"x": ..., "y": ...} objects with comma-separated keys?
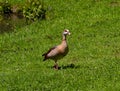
[{"x": 56, "y": 65}]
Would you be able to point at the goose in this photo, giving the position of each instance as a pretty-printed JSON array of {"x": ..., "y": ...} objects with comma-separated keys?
[{"x": 59, "y": 51}]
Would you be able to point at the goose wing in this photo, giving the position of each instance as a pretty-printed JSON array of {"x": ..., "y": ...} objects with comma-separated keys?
[{"x": 50, "y": 50}]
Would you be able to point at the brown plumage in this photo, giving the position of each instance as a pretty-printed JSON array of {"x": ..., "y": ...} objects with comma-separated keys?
[{"x": 59, "y": 51}]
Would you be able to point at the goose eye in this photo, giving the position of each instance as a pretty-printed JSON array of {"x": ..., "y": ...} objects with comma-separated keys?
[{"x": 65, "y": 31}]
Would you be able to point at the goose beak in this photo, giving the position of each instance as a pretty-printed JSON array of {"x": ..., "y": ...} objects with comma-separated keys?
[{"x": 69, "y": 33}]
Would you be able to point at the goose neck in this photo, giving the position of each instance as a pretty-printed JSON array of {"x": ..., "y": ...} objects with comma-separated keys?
[{"x": 64, "y": 37}]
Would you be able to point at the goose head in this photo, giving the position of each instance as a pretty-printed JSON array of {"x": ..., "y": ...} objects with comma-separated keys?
[{"x": 66, "y": 32}]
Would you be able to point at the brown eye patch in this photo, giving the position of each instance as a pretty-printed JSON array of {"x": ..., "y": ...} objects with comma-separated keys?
[{"x": 65, "y": 30}]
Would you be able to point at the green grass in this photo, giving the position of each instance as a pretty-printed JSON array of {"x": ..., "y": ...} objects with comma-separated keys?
[{"x": 94, "y": 49}]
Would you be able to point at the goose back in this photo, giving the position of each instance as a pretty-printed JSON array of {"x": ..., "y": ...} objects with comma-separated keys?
[{"x": 57, "y": 52}]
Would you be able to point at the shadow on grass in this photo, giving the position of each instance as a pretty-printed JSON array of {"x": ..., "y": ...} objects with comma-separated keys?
[{"x": 69, "y": 66}]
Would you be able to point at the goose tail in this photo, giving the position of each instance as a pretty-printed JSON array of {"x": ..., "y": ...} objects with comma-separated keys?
[{"x": 44, "y": 56}]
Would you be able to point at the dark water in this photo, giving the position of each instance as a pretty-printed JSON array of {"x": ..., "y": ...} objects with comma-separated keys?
[{"x": 9, "y": 22}]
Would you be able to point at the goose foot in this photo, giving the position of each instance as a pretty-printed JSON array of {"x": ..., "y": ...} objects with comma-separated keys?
[{"x": 56, "y": 66}]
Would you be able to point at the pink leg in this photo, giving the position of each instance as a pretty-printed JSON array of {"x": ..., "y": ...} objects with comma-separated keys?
[{"x": 56, "y": 65}]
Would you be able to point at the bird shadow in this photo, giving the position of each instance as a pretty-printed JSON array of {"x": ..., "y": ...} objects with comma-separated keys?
[{"x": 69, "y": 66}]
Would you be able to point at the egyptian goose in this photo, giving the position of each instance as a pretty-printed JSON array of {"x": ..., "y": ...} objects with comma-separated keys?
[{"x": 58, "y": 51}]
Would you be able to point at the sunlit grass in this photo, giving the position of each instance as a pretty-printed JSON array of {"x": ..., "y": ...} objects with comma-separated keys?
[{"x": 94, "y": 50}]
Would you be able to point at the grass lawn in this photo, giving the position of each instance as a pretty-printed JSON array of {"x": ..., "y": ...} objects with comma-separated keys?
[{"x": 94, "y": 49}]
